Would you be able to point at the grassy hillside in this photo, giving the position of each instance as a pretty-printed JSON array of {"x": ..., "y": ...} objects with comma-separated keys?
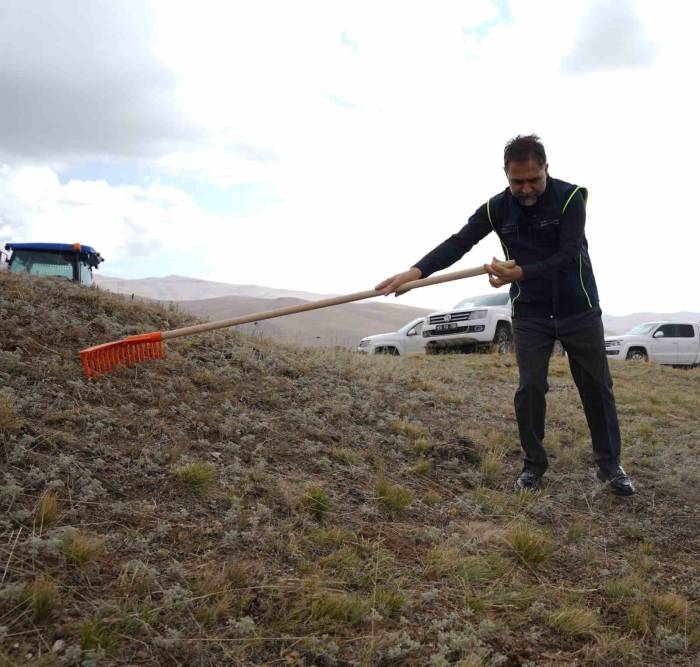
[{"x": 246, "y": 502}]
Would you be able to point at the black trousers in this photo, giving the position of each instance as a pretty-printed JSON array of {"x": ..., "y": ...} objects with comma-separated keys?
[{"x": 583, "y": 340}]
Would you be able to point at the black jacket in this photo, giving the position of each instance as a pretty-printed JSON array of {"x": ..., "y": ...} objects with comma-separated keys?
[{"x": 547, "y": 240}]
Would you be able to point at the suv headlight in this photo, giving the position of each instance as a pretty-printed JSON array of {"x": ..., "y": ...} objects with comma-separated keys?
[
  {"x": 364, "y": 343},
  {"x": 477, "y": 314},
  {"x": 613, "y": 343}
]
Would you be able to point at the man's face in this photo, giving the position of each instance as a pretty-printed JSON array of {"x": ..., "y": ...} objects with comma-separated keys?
[{"x": 527, "y": 180}]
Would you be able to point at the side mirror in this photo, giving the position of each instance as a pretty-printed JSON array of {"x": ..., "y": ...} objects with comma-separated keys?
[
  {"x": 411, "y": 332},
  {"x": 659, "y": 334}
]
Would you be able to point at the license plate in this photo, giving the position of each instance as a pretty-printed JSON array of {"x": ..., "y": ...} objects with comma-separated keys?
[{"x": 445, "y": 327}]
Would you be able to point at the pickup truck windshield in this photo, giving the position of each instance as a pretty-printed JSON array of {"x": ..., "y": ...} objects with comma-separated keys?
[
  {"x": 642, "y": 329},
  {"x": 42, "y": 263},
  {"x": 485, "y": 300}
]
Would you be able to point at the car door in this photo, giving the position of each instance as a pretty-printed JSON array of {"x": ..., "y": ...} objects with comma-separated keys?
[
  {"x": 664, "y": 344},
  {"x": 415, "y": 343},
  {"x": 688, "y": 344}
]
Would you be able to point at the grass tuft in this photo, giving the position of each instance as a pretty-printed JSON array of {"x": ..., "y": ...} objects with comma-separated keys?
[
  {"x": 95, "y": 634},
  {"x": 340, "y": 607},
  {"x": 80, "y": 548},
  {"x": 531, "y": 547},
  {"x": 408, "y": 429},
  {"x": 491, "y": 466},
  {"x": 346, "y": 456},
  {"x": 392, "y": 497},
  {"x": 47, "y": 508},
  {"x": 423, "y": 467},
  {"x": 389, "y": 602},
  {"x": 672, "y": 608},
  {"x": 316, "y": 502},
  {"x": 197, "y": 476},
  {"x": 574, "y": 621},
  {"x": 640, "y": 618},
  {"x": 422, "y": 445},
  {"x": 625, "y": 587},
  {"x": 9, "y": 421},
  {"x": 43, "y": 597}
]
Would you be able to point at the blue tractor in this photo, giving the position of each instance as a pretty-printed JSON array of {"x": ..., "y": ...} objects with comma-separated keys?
[{"x": 67, "y": 260}]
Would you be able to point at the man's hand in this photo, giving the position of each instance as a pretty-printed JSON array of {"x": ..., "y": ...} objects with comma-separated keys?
[
  {"x": 500, "y": 275},
  {"x": 392, "y": 283}
]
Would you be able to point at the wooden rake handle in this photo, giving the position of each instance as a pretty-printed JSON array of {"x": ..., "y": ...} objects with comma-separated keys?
[{"x": 324, "y": 303}]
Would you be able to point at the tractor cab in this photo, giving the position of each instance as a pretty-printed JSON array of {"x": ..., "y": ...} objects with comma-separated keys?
[{"x": 67, "y": 260}]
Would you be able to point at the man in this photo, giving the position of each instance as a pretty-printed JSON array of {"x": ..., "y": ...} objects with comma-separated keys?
[{"x": 540, "y": 223}]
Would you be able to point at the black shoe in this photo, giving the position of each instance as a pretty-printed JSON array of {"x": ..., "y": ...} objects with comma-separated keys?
[
  {"x": 619, "y": 482},
  {"x": 528, "y": 480}
]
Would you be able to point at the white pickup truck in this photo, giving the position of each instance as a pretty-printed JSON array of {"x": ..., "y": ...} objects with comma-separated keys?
[
  {"x": 476, "y": 322},
  {"x": 407, "y": 340},
  {"x": 673, "y": 343}
]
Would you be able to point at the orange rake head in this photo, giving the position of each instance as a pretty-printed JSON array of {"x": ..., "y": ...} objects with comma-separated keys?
[{"x": 126, "y": 352}]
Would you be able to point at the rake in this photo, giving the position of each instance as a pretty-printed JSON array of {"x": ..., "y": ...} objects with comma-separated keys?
[{"x": 143, "y": 347}]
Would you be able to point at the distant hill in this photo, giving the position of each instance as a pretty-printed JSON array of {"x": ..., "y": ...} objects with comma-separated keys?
[
  {"x": 181, "y": 288},
  {"x": 341, "y": 325}
]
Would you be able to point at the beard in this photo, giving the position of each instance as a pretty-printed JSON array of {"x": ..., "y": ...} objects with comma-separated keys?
[{"x": 527, "y": 200}]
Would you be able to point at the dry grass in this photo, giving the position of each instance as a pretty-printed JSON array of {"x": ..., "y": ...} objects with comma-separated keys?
[
  {"x": 574, "y": 621},
  {"x": 270, "y": 504},
  {"x": 42, "y": 595},
  {"x": 80, "y": 548},
  {"x": 10, "y": 422},
  {"x": 46, "y": 509}
]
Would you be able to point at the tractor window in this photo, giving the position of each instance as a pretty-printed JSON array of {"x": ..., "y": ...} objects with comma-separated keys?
[
  {"x": 43, "y": 263},
  {"x": 85, "y": 274}
]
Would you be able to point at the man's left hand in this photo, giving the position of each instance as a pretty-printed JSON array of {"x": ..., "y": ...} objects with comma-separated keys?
[{"x": 500, "y": 275}]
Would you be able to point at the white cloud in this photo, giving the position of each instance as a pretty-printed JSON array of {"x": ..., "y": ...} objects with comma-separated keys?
[
  {"x": 365, "y": 189},
  {"x": 81, "y": 80},
  {"x": 611, "y": 37},
  {"x": 123, "y": 223}
]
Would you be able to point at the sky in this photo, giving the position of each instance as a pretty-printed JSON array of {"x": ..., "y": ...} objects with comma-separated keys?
[{"x": 323, "y": 146}]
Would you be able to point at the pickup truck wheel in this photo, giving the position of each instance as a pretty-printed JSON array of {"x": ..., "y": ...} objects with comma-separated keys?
[
  {"x": 637, "y": 354},
  {"x": 502, "y": 339}
]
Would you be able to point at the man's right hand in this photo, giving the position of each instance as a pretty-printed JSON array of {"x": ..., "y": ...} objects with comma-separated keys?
[{"x": 392, "y": 283}]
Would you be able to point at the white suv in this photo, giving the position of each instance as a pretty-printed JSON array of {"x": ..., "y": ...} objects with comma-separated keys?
[
  {"x": 672, "y": 343},
  {"x": 474, "y": 323},
  {"x": 407, "y": 340}
]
